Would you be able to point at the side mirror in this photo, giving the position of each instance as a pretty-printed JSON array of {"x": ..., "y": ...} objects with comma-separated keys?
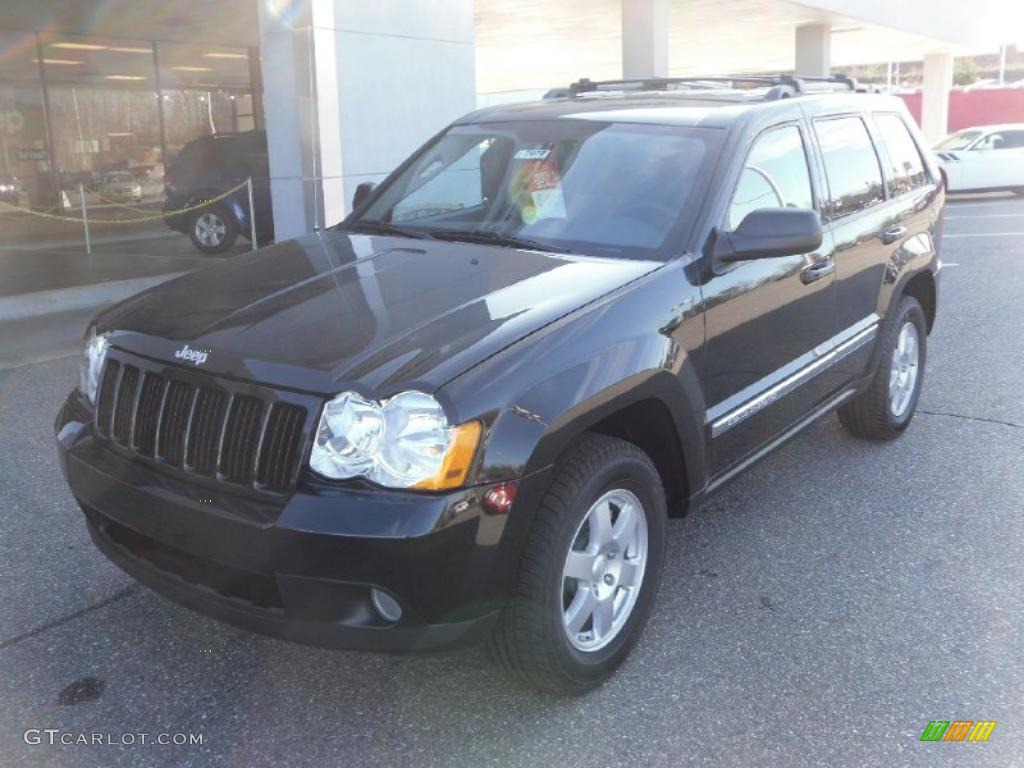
[
  {"x": 769, "y": 232},
  {"x": 362, "y": 193}
]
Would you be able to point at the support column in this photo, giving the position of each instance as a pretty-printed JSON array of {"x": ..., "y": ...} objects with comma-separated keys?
[
  {"x": 645, "y": 38},
  {"x": 350, "y": 89},
  {"x": 814, "y": 50},
  {"x": 938, "y": 80}
]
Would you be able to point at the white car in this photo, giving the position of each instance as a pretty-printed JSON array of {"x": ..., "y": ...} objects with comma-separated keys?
[
  {"x": 986, "y": 159},
  {"x": 121, "y": 186}
]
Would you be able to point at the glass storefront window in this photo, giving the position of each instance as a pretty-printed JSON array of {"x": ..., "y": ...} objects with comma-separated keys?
[
  {"x": 206, "y": 89},
  {"x": 24, "y": 158},
  {"x": 108, "y": 114}
]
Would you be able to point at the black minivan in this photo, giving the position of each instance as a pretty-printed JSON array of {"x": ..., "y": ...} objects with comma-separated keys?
[
  {"x": 207, "y": 168},
  {"x": 468, "y": 411}
]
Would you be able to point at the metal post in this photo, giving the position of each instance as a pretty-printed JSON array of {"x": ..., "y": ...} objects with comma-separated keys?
[
  {"x": 51, "y": 150},
  {"x": 85, "y": 219},
  {"x": 160, "y": 105},
  {"x": 252, "y": 215}
]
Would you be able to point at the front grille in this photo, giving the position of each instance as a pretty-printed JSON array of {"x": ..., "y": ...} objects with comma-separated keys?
[{"x": 201, "y": 428}]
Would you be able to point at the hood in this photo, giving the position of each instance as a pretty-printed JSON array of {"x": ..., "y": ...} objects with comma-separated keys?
[{"x": 333, "y": 310}]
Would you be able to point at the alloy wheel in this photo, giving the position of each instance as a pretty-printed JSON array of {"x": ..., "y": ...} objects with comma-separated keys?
[
  {"x": 604, "y": 570},
  {"x": 210, "y": 229},
  {"x": 904, "y": 370}
]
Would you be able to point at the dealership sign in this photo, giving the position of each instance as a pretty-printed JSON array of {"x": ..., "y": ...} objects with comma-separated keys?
[{"x": 31, "y": 153}]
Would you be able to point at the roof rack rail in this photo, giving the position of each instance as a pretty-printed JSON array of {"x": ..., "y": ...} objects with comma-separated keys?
[{"x": 779, "y": 86}]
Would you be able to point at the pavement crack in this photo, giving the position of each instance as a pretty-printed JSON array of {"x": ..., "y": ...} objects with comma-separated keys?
[
  {"x": 123, "y": 593},
  {"x": 971, "y": 418}
]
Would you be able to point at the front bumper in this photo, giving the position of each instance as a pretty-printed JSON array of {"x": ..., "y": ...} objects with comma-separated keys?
[{"x": 300, "y": 567}]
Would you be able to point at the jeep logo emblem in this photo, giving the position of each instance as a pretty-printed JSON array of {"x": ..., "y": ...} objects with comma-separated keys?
[{"x": 196, "y": 356}]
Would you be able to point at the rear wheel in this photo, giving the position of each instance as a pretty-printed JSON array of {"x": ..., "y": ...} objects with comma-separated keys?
[
  {"x": 885, "y": 409},
  {"x": 213, "y": 230},
  {"x": 590, "y": 572}
]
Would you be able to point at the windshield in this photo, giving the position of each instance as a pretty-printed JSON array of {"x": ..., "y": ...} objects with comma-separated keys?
[
  {"x": 960, "y": 140},
  {"x": 598, "y": 188}
]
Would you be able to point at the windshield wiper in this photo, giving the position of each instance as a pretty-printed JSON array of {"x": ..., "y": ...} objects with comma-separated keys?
[
  {"x": 379, "y": 227},
  {"x": 489, "y": 237}
]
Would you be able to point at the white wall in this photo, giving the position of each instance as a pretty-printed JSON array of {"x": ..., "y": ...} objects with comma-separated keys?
[{"x": 351, "y": 89}]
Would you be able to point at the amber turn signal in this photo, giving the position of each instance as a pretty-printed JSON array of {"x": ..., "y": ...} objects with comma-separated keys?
[{"x": 458, "y": 460}]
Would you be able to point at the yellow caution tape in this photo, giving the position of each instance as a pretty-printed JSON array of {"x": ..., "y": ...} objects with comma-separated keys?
[{"x": 156, "y": 217}]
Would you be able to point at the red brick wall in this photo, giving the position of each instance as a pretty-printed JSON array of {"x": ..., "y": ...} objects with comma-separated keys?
[{"x": 982, "y": 107}]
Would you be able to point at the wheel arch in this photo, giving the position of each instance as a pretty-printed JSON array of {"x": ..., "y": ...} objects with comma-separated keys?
[
  {"x": 228, "y": 204},
  {"x": 922, "y": 287},
  {"x": 649, "y": 425}
]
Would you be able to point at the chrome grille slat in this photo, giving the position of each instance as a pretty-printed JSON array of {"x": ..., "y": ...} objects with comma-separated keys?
[
  {"x": 240, "y": 445},
  {"x": 205, "y": 431},
  {"x": 280, "y": 445},
  {"x": 124, "y": 404},
  {"x": 172, "y": 432},
  {"x": 147, "y": 413},
  {"x": 105, "y": 398}
]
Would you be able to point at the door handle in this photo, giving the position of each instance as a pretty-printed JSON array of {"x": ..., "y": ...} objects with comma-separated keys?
[
  {"x": 817, "y": 270},
  {"x": 890, "y": 236}
]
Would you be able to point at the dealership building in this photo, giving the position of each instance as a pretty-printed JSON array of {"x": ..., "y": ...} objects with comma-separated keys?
[{"x": 347, "y": 89}]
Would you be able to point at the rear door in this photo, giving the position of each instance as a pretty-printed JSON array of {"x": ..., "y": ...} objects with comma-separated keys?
[{"x": 861, "y": 229}]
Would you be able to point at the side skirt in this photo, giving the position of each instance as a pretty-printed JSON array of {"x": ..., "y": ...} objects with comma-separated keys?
[{"x": 827, "y": 407}]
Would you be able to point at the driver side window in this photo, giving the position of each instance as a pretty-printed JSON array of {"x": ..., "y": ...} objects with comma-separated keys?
[
  {"x": 1002, "y": 140},
  {"x": 774, "y": 176}
]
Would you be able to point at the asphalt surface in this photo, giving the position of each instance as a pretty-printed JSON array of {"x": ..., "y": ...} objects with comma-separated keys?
[{"x": 819, "y": 611}]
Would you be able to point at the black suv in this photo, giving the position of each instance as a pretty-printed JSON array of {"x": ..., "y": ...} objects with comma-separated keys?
[
  {"x": 469, "y": 410},
  {"x": 205, "y": 169}
]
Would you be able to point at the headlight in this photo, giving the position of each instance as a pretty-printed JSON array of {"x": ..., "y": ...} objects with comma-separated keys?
[
  {"x": 93, "y": 355},
  {"x": 404, "y": 442}
]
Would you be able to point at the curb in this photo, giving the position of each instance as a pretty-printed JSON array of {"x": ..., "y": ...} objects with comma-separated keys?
[
  {"x": 80, "y": 297},
  {"x": 78, "y": 242}
]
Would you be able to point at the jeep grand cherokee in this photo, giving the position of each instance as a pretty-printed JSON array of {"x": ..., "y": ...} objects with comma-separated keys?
[{"x": 468, "y": 411}]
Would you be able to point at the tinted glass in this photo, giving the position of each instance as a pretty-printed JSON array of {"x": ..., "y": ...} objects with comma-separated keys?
[
  {"x": 1002, "y": 140},
  {"x": 579, "y": 185},
  {"x": 960, "y": 140},
  {"x": 854, "y": 176},
  {"x": 906, "y": 169},
  {"x": 774, "y": 176}
]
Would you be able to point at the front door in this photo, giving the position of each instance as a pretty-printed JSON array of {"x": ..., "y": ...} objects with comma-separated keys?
[{"x": 767, "y": 320}]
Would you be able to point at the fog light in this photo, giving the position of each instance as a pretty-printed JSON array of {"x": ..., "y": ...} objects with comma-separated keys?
[{"x": 386, "y": 606}]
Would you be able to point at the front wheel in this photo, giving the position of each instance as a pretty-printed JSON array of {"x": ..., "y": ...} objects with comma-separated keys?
[
  {"x": 213, "y": 230},
  {"x": 590, "y": 572},
  {"x": 885, "y": 409}
]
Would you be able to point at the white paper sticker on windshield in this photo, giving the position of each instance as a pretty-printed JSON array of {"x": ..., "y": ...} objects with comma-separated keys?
[{"x": 533, "y": 154}]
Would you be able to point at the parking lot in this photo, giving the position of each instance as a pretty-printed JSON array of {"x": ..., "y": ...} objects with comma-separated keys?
[{"x": 820, "y": 610}]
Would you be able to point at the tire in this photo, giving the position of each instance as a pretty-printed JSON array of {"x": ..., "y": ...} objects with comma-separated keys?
[
  {"x": 213, "y": 229},
  {"x": 531, "y": 641},
  {"x": 877, "y": 413}
]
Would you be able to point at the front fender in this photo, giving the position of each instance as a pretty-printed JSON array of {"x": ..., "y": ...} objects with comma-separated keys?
[{"x": 642, "y": 342}]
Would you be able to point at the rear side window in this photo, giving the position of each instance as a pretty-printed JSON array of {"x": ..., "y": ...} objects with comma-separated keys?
[
  {"x": 851, "y": 165},
  {"x": 774, "y": 176},
  {"x": 906, "y": 170}
]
